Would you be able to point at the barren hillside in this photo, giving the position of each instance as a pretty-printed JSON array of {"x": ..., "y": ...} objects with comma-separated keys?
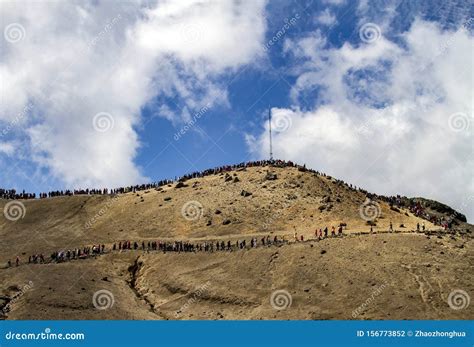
[{"x": 411, "y": 272}]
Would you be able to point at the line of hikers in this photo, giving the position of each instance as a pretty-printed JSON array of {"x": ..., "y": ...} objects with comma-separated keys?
[
  {"x": 319, "y": 234},
  {"x": 13, "y": 194},
  {"x": 61, "y": 256},
  {"x": 170, "y": 246},
  {"x": 186, "y": 246}
]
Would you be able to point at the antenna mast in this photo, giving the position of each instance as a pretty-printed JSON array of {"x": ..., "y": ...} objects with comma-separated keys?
[{"x": 270, "y": 130}]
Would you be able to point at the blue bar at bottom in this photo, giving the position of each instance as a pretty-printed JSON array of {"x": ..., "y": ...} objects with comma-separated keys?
[{"x": 237, "y": 333}]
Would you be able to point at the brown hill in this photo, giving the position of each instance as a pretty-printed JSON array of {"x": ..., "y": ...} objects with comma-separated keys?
[{"x": 326, "y": 279}]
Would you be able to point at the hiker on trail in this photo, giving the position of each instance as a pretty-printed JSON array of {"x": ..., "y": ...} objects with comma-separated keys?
[
  {"x": 302, "y": 238},
  {"x": 320, "y": 233},
  {"x": 333, "y": 231},
  {"x": 391, "y": 227},
  {"x": 296, "y": 237},
  {"x": 17, "y": 260},
  {"x": 417, "y": 226},
  {"x": 326, "y": 232},
  {"x": 423, "y": 227},
  {"x": 340, "y": 230}
]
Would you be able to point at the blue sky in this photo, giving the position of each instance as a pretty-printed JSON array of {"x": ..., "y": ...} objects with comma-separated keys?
[{"x": 150, "y": 67}]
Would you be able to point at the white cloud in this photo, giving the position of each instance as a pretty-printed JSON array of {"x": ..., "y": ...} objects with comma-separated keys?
[
  {"x": 7, "y": 148},
  {"x": 334, "y": 2},
  {"x": 78, "y": 59},
  {"x": 326, "y": 18},
  {"x": 411, "y": 144}
]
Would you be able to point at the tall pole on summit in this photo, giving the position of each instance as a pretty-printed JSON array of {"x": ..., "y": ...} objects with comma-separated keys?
[{"x": 270, "y": 130}]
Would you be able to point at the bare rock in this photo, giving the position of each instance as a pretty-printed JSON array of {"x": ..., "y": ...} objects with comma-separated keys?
[{"x": 245, "y": 193}]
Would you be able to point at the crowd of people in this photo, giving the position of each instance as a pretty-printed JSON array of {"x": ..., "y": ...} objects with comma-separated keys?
[
  {"x": 62, "y": 255},
  {"x": 419, "y": 210},
  {"x": 396, "y": 201},
  {"x": 171, "y": 246},
  {"x": 13, "y": 194},
  {"x": 187, "y": 246}
]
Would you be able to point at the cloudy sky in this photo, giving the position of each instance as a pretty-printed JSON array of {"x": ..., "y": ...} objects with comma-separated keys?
[{"x": 105, "y": 94}]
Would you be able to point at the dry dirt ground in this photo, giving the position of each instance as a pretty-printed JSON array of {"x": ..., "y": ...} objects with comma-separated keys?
[{"x": 402, "y": 275}]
